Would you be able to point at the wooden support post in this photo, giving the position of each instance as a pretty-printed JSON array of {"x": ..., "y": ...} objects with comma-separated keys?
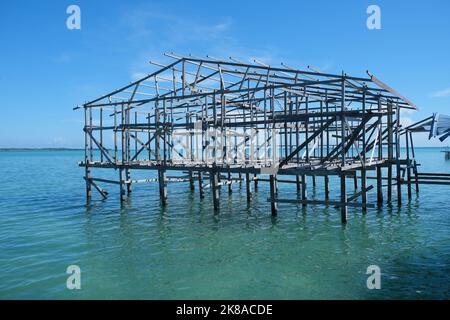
[
  {"x": 248, "y": 187},
  {"x": 297, "y": 180},
  {"x": 273, "y": 195},
  {"x": 397, "y": 157},
  {"x": 379, "y": 186},
  {"x": 390, "y": 152},
  {"x": 128, "y": 179},
  {"x": 355, "y": 181},
  {"x": 304, "y": 192},
  {"x": 215, "y": 189},
  {"x": 255, "y": 179},
  {"x": 86, "y": 159},
  {"x": 343, "y": 182},
  {"x": 230, "y": 182},
  {"x": 327, "y": 190},
  {"x": 343, "y": 199},
  {"x": 364, "y": 189},
  {"x": 364, "y": 159},
  {"x": 408, "y": 166},
  {"x": 415, "y": 163},
  {"x": 121, "y": 185},
  {"x": 191, "y": 181},
  {"x": 380, "y": 157},
  {"x": 162, "y": 186},
  {"x": 313, "y": 181},
  {"x": 200, "y": 185}
]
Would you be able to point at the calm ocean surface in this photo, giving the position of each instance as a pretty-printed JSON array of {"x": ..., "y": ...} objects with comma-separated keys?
[{"x": 184, "y": 251}]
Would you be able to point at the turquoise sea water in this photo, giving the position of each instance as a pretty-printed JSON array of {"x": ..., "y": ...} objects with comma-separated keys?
[{"x": 184, "y": 251}]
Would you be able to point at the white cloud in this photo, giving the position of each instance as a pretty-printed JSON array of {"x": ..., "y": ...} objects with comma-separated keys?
[{"x": 441, "y": 93}]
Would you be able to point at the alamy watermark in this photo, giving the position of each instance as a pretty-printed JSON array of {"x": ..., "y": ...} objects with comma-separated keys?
[
  {"x": 374, "y": 279},
  {"x": 73, "y": 22},
  {"x": 374, "y": 19},
  {"x": 74, "y": 279}
]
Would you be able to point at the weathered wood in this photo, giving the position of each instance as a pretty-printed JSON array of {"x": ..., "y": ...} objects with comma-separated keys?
[
  {"x": 162, "y": 187},
  {"x": 122, "y": 184},
  {"x": 273, "y": 195},
  {"x": 215, "y": 189},
  {"x": 201, "y": 120},
  {"x": 191, "y": 181},
  {"x": 304, "y": 192},
  {"x": 364, "y": 189},
  {"x": 327, "y": 189},
  {"x": 102, "y": 192},
  {"x": 344, "y": 201},
  {"x": 200, "y": 185},
  {"x": 248, "y": 187},
  {"x": 336, "y": 204}
]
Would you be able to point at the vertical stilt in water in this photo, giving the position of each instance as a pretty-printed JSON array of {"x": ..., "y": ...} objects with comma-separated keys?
[
  {"x": 128, "y": 180},
  {"x": 327, "y": 190},
  {"x": 416, "y": 178},
  {"x": 191, "y": 181},
  {"x": 397, "y": 158},
  {"x": 297, "y": 180},
  {"x": 88, "y": 187},
  {"x": 230, "y": 183},
  {"x": 408, "y": 166},
  {"x": 390, "y": 151},
  {"x": 273, "y": 195},
  {"x": 363, "y": 189},
  {"x": 363, "y": 169},
  {"x": 314, "y": 181},
  {"x": 200, "y": 185},
  {"x": 240, "y": 179},
  {"x": 255, "y": 179},
  {"x": 343, "y": 199},
  {"x": 215, "y": 189},
  {"x": 304, "y": 193},
  {"x": 248, "y": 187},
  {"x": 162, "y": 186},
  {"x": 379, "y": 186},
  {"x": 355, "y": 181},
  {"x": 121, "y": 185},
  {"x": 86, "y": 160},
  {"x": 389, "y": 186}
]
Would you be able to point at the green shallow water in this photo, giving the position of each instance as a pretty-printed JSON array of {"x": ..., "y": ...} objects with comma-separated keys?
[{"x": 184, "y": 251}]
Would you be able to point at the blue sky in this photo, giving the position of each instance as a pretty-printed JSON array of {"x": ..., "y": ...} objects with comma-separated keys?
[{"x": 47, "y": 69}]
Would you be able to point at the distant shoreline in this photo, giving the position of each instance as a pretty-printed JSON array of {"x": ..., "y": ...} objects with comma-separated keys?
[{"x": 40, "y": 149}]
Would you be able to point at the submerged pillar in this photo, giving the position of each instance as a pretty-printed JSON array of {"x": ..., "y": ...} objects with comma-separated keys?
[
  {"x": 191, "y": 181},
  {"x": 121, "y": 184},
  {"x": 162, "y": 186},
  {"x": 327, "y": 189},
  {"x": 408, "y": 166},
  {"x": 379, "y": 186},
  {"x": 248, "y": 187},
  {"x": 304, "y": 192},
  {"x": 128, "y": 180},
  {"x": 343, "y": 199},
  {"x": 273, "y": 195},
  {"x": 200, "y": 185},
  {"x": 363, "y": 189},
  {"x": 215, "y": 189}
]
